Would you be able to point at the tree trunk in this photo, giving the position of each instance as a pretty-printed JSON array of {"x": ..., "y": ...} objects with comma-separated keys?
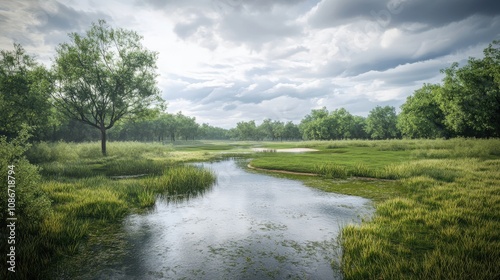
[{"x": 103, "y": 141}]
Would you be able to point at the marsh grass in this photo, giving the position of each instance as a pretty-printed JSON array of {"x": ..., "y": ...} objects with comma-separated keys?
[
  {"x": 86, "y": 199},
  {"x": 438, "y": 219},
  {"x": 180, "y": 181}
]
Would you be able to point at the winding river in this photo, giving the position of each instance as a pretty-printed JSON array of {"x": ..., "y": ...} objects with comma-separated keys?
[{"x": 247, "y": 226}]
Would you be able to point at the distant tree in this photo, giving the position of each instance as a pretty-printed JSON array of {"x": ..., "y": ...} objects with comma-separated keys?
[
  {"x": 248, "y": 131},
  {"x": 169, "y": 125},
  {"x": 358, "y": 128},
  {"x": 344, "y": 124},
  {"x": 421, "y": 115},
  {"x": 266, "y": 129},
  {"x": 381, "y": 123},
  {"x": 213, "y": 133},
  {"x": 278, "y": 130},
  {"x": 291, "y": 131},
  {"x": 272, "y": 130},
  {"x": 188, "y": 128},
  {"x": 313, "y": 126},
  {"x": 104, "y": 76},
  {"x": 324, "y": 125},
  {"x": 470, "y": 96},
  {"x": 25, "y": 88}
]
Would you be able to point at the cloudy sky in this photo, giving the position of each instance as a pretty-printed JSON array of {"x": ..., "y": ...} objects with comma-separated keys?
[{"x": 225, "y": 61}]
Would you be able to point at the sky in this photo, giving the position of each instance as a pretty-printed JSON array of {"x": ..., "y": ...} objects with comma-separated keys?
[{"x": 226, "y": 61}]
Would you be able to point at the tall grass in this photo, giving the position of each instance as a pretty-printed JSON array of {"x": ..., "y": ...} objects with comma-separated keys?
[
  {"x": 438, "y": 219},
  {"x": 86, "y": 196},
  {"x": 180, "y": 181},
  {"x": 446, "y": 225}
]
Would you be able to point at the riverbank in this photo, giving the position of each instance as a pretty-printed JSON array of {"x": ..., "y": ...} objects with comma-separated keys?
[
  {"x": 437, "y": 201},
  {"x": 439, "y": 219},
  {"x": 91, "y": 194}
]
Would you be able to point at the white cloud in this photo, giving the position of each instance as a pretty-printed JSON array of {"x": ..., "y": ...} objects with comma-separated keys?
[{"x": 226, "y": 61}]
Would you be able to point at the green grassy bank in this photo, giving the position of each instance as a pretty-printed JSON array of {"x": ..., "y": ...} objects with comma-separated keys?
[
  {"x": 90, "y": 195},
  {"x": 437, "y": 201},
  {"x": 438, "y": 218}
]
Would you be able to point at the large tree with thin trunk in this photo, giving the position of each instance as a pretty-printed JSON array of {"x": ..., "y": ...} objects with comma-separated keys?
[{"x": 104, "y": 76}]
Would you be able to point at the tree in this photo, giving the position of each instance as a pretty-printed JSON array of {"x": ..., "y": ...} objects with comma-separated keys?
[
  {"x": 278, "y": 130},
  {"x": 266, "y": 129},
  {"x": 188, "y": 128},
  {"x": 247, "y": 131},
  {"x": 421, "y": 116},
  {"x": 210, "y": 132},
  {"x": 344, "y": 123},
  {"x": 168, "y": 124},
  {"x": 381, "y": 123},
  {"x": 358, "y": 128},
  {"x": 312, "y": 126},
  {"x": 104, "y": 76},
  {"x": 24, "y": 94},
  {"x": 291, "y": 131},
  {"x": 470, "y": 96}
]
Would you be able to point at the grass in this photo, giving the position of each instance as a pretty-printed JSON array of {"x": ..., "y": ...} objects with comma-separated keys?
[
  {"x": 87, "y": 198},
  {"x": 437, "y": 201},
  {"x": 437, "y": 218}
]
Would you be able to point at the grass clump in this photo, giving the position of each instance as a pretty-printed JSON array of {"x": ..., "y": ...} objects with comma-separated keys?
[
  {"x": 186, "y": 181},
  {"x": 331, "y": 171}
]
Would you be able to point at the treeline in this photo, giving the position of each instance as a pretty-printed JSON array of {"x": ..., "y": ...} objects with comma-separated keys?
[{"x": 466, "y": 104}]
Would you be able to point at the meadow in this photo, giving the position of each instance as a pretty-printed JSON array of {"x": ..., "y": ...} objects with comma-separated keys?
[
  {"x": 91, "y": 194},
  {"x": 437, "y": 201},
  {"x": 437, "y": 204}
]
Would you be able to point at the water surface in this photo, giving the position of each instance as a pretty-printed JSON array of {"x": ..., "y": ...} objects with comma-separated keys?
[{"x": 248, "y": 226}]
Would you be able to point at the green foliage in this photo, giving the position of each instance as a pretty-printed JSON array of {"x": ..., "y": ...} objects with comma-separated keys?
[
  {"x": 421, "y": 116},
  {"x": 470, "y": 95},
  {"x": 104, "y": 76},
  {"x": 248, "y": 131},
  {"x": 212, "y": 133},
  {"x": 338, "y": 124},
  {"x": 465, "y": 105},
  {"x": 24, "y": 94},
  {"x": 381, "y": 123},
  {"x": 32, "y": 205}
]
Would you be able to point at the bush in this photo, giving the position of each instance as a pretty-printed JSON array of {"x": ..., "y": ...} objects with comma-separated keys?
[
  {"x": 31, "y": 203},
  {"x": 31, "y": 206}
]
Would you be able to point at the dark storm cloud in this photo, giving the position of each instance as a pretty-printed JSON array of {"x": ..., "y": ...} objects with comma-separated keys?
[
  {"x": 479, "y": 30},
  {"x": 329, "y": 13},
  {"x": 438, "y": 13}
]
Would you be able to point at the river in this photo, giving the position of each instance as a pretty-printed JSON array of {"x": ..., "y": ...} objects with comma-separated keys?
[{"x": 247, "y": 226}]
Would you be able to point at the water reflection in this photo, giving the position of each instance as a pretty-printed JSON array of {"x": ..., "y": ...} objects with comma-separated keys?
[{"x": 248, "y": 226}]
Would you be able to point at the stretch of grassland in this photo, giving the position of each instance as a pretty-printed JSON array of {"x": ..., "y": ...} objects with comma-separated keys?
[
  {"x": 437, "y": 201},
  {"x": 437, "y": 218},
  {"x": 91, "y": 194}
]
